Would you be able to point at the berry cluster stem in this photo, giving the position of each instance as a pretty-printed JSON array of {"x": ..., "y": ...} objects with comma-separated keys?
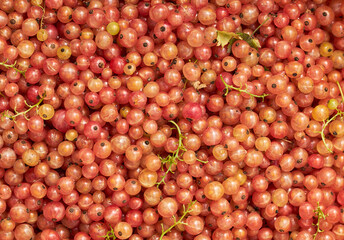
[
  {"x": 255, "y": 30},
  {"x": 173, "y": 159},
  {"x": 186, "y": 210},
  {"x": 241, "y": 90},
  {"x": 12, "y": 66},
  {"x": 30, "y": 107},
  {"x": 341, "y": 91},
  {"x": 322, "y": 133},
  {"x": 320, "y": 214},
  {"x": 42, "y": 18},
  {"x": 339, "y": 113},
  {"x": 110, "y": 235}
]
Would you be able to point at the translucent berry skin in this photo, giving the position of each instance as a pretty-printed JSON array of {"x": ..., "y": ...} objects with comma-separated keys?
[{"x": 159, "y": 120}]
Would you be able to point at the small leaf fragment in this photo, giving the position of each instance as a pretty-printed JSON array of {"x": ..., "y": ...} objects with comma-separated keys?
[
  {"x": 198, "y": 85},
  {"x": 254, "y": 42},
  {"x": 223, "y": 37}
]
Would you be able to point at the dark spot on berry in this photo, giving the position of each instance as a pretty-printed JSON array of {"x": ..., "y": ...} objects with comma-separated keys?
[
  {"x": 324, "y": 14},
  {"x": 13, "y": 21},
  {"x": 121, "y": 36},
  {"x": 294, "y": 74},
  {"x": 273, "y": 85},
  {"x": 310, "y": 40},
  {"x": 296, "y": 58},
  {"x": 226, "y": 64},
  {"x": 67, "y": 31},
  {"x": 145, "y": 44},
  {"x": 95, "y": 128},
  {"x": 99, "y": 213},
  {"x": 91, "y": 11},
  {"x": 162, "y": 29}
]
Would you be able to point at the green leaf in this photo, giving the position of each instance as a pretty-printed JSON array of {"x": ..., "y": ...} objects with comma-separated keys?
[
  {"x": 230, "y": 45},
  {"x": 244, "y": 36},
  {"x": 254, "y": 42},
  {"x": 223, "y": 38}
]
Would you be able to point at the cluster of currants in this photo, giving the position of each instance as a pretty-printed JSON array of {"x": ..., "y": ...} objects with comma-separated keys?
[{"x": 171, "y": 119}]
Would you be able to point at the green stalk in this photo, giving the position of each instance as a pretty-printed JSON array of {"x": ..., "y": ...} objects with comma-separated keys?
[
  {"x": 30, "y": 107},
  {"x": 241, "y": 90},
  {"x": 180, "y": 221},
  {"x": 12, "y": 66}
]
